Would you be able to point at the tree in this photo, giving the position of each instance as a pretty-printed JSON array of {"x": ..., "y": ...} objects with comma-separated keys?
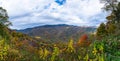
[
  {"x": 4, "y": 23},
  {"x": 4, "y": 17},
  {"x": 83, "y": 41},
  {"x": 113, "y": 23},
  {"x": 110, "y": 27},
  {"x": 101, "y": 31},
  {"x": 110, "y": 5}
]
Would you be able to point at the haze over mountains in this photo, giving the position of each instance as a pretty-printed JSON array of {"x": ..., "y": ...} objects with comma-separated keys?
[{"x": 60, "y": 32}]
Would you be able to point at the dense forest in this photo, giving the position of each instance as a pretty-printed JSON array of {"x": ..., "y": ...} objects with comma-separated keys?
[{"x": 103, "y": 45}]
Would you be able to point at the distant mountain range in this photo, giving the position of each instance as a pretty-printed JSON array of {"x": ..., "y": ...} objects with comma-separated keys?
[{"x": 60, "y": 32}]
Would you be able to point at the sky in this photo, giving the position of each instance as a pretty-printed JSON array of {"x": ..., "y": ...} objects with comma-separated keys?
[{"x": 30, "y": 13}]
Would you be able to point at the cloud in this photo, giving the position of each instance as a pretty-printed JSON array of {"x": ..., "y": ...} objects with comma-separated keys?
[{"x": 31, "y": 13}]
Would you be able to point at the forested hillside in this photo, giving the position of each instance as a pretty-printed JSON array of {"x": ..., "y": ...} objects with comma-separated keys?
[
  {"x": 104, "y": 45},
  {"x": 60, "y": 32}
]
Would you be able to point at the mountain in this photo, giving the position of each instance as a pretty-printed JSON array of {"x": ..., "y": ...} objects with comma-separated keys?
[{"x": 60, "y": 32}]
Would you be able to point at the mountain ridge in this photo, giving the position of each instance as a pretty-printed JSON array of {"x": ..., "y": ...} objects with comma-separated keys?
[{"x": 57, "y": 32}]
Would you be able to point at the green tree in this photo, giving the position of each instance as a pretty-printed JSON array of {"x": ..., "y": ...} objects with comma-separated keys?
[
  {"x": 110, "y": 28},
  {"x": 4, "y": 23},
  {"x": 109, "y": 5},
  {"x": 4, "y": 17},
  {"x": 113, "y": 23},
  {"x": 101, "y": 31}
]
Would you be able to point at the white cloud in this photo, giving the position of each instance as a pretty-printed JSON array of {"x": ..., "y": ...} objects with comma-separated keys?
[
  {"x": 74, "y": 12},
  {"x": 18, "y": 7}
]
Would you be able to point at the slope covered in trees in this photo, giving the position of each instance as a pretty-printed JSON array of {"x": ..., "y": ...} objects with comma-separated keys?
[{"x": 60, "y": 32}]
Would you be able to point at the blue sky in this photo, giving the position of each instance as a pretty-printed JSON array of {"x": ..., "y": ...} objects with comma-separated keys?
[{"x": 30, "y": 13}]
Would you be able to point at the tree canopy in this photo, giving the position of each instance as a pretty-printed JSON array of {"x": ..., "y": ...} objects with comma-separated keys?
[
  {"x": 113, "y": 19},
  {"x": 4, "y": 23},
  {"x": 4, "y": 17}
]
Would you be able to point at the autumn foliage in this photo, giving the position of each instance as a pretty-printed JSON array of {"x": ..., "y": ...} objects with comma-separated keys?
[{"x": 83, "y": 41}]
